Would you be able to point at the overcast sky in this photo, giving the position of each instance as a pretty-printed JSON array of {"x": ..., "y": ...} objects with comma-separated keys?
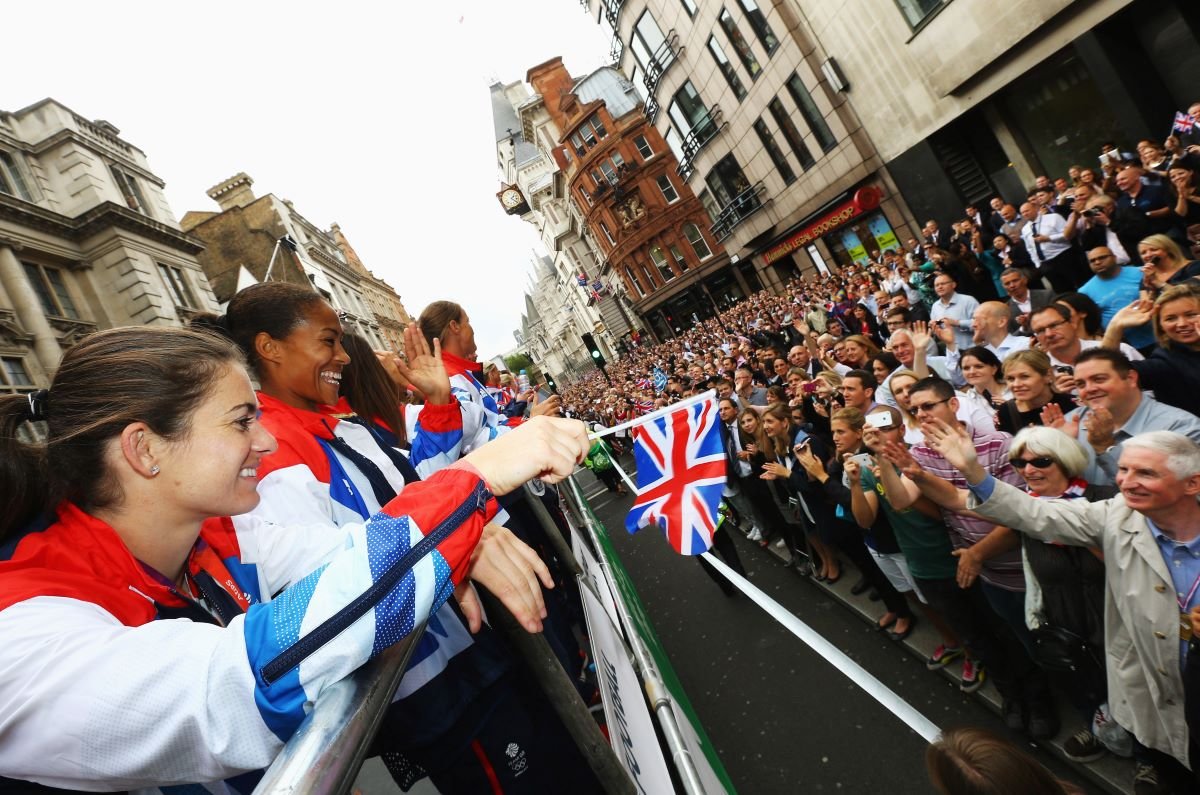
[{"x": 373, "y": 116}]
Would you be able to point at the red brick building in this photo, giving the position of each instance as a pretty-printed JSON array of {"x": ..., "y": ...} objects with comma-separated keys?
[{"x": 653, "y": 232}]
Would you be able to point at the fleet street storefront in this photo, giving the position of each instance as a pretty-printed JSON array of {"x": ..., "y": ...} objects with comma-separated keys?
[{"x": 851, "y": 228}]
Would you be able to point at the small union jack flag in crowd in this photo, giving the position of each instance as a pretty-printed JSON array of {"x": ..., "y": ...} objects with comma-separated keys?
[
  {"x": 644, "y": 383},
  {"x": 680, "y": 476},
  {"x": 645, "y": 406},
  {"x": 1183, "y": 122}
]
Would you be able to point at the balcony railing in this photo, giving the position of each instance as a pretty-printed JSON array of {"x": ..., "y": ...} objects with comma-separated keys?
[
  {"x": 650, "y": 109},
  {"x": 744, "y": 205},
  {"x": 703, "y": 131},
  {"x": 612, "y": 12},
  {"x": 616, "y": 49},
  {"x": 660, "y": 61}
]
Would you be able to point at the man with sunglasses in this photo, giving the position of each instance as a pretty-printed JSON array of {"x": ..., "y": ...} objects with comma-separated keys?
[{"x": 985, "y": 604}]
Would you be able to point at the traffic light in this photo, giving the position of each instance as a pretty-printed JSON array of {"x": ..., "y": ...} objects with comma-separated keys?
[{"x": 594, "y": 350}]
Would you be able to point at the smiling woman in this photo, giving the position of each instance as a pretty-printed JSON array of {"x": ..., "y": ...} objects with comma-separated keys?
[{"x": 151, "y": 432}]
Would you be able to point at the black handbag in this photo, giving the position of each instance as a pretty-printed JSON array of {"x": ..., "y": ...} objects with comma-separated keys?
[{"x": 1059, "y": 649}]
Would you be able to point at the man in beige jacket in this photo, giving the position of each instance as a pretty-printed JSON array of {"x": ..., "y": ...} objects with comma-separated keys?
[{"x": 1150, "y": 535}]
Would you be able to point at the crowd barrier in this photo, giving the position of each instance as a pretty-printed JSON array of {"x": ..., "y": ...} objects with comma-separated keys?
[{"x": 642, "y": 699}]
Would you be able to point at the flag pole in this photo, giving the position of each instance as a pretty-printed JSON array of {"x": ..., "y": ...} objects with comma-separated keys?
[
  {"x": 655, "y": 414},
  {"x": 624, "y": 476}
]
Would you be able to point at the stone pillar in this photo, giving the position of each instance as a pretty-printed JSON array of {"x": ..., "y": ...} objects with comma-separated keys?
[{"x": 29, "y": 310}]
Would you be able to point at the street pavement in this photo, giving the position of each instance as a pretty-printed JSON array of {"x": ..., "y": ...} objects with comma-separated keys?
[{"x": 781, "y": 718}]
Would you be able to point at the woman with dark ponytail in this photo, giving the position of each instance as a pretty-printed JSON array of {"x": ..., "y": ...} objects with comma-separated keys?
[
  {"x": 108, "y": 527},
  {"x": 334, "y": 466}
]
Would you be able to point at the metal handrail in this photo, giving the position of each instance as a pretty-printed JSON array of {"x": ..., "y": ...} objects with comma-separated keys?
[
  {"x": 741, "y": 207},
  {"x": 703, "y": 131},
  {"x": 324, "y": 755},
  {"x": 652, "y": 681}
]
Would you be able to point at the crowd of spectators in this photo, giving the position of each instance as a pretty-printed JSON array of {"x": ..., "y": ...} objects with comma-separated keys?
[{"x": 1055, "y": 335}]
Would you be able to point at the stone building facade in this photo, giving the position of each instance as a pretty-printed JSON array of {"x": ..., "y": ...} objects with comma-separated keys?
[
  {"x": 254, "y": 239},
  {"x": 764, "y": 137},
  {"x": 969, "y": 99},
  {"x": 534, "y": 189},
  {"x": 87, "y": 241}
]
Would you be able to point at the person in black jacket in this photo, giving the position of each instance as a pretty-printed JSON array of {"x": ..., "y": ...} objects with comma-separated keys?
[
  {"x": 1173, "y": 369},
  {"x": 847, "y": 425}
]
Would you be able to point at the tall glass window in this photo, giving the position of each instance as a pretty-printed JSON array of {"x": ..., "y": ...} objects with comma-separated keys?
[
  {"x": 726, "y": 180},
  {"x": 739, "y": 43},
  {"x": 689, "y": 6},
  {"x": 668, "y": 190},
  {"x": 12, "y": 181},
  {"x": 917, "y": 11},
  {"x": 812, "y": 116},
  {"x": 51, "y": 290},
  {"x": 689, "y": 112},
  {"x": 790, "y": 133},
  {"x": 677, "y": 255},
  {"x": 727, "y": 69},
  {"x": 696, "y": 240},
  {"x": 660, "y": 261},
  {"x": 776, "y": 154},
  {"x": 648, "y": 46},
  {"x": 643, "y": 147},
  {"x": 758, "y": 22}
]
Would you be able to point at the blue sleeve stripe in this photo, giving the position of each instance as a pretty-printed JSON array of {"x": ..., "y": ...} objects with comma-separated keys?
[{"x": 270, "y": 629}]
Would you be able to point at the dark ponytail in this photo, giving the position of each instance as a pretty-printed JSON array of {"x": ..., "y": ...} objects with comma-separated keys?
[
  {"x": 23, "y": 476},
  {"x": 105, "y": 382},
  {"x": 274, "y": 307}
]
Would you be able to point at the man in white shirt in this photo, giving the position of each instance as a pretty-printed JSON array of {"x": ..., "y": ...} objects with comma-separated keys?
[
  {"x": 953, "y": 310},
  {"x": 1054, "y": 256},
  {"x": 1057, "y": 336},
  {"x": 991, "y": 331}
]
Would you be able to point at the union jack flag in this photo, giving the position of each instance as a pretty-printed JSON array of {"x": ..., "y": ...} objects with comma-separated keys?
[
  {"x": 645, "y": 406},
  {"x": 1183, "y": 122},
  {"x": 680, "y": 476},
  {"x": 644, "y": 383}
]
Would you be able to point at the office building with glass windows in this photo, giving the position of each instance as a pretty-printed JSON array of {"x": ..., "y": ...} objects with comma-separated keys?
[
  {"x": 743, "y": 96},
  {"x": 966, "y": 99}
]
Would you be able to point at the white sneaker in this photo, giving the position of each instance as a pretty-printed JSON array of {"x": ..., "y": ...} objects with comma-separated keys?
[
  {"x": 755, "y": 535},
  {"x": 779, "y": 543}
]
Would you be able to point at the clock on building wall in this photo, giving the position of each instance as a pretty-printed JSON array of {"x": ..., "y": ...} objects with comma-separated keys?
[{"x": 511, "y": 199}]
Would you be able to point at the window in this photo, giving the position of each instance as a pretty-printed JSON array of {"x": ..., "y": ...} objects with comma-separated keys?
[
  {"x": 591, "y": 131},
  {"x": 13, "y": 376},
  {"x": 696, "y": 241},
  {"x": 689, "y": 7},
  {"x": 51, "y": 290},
  {"x": 726, "y": 68},
  {"x": 674, "y": 143},
  {"x": 739, "y": 43},
  {"x": 130, "y": 190},
  {"x": 648, "y": 277},
  {"x": 607, "y": 234},
  {"x": 668, "y": 190},
  {"x": 917, "y": 11},
  {"x": 587, "y": 196},
  {"x": 690, "y": 114},
  {"x": 726, "y": 180},
  {"x": 680, "y": 262},
  {"x": 650, "y": 47},
  {"x": 12, "y": 181},
  {"x": 812, "y": 116},
  {"x": 643, "y": 147},
  {"x": 177, "y": 284},
  {"x": 758, "y": 22},
  {"x": 660, "y": 261},
  {"x": 610, "y": 173},
  {"x": 790, "y": 133},
  {"x": 634, "y": 281},
  {"x": 776, "y": 154}
]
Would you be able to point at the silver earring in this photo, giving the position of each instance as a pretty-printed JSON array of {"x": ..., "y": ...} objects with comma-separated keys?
[{"x": 153, "y": 470}]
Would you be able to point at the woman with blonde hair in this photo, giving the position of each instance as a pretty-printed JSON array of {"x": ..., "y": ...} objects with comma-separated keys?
[
  {"x": 971, "y": 761},
  {"x": 1030, "y": 379},
  {"x": 1165, "y": 264},
  {"x": 1173, "y": 369}
]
